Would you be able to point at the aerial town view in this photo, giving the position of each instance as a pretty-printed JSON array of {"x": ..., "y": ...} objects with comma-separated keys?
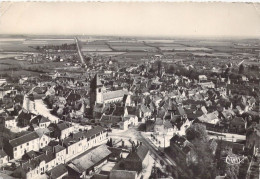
[{"x": 127, "y": 106}]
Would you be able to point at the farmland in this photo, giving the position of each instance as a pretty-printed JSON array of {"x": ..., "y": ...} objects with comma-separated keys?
[{"x": 126, "y": 49}]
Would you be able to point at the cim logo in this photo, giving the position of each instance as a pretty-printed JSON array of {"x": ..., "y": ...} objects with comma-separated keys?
[{"x": 234, "y": 159}]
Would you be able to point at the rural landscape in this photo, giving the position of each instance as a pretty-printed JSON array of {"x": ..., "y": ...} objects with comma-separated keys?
[{"x": 129, "y": 90}]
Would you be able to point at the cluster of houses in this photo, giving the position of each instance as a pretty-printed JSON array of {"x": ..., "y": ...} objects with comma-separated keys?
[{"x": 66, "y": 117}]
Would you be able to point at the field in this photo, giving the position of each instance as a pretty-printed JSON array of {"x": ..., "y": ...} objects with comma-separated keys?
[
  {"x": 26, "y": 44},
  {"x": 126, "y": 49}
]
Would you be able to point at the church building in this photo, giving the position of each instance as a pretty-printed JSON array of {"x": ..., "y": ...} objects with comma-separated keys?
[{"x": 99, "y": 95}]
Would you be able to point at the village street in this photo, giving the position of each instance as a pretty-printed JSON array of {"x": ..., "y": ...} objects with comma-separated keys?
[{"x": 134, "y": 135}]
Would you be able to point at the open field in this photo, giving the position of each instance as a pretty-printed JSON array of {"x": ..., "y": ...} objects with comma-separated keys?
[
  {"x": 132, "y": 49},
  {"x": 26, "y": 44}
]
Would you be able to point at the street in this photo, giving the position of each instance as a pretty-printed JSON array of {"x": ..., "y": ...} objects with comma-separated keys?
[
  {"x": 79, "y": 51},
  {"x": 133, "y": 134}
]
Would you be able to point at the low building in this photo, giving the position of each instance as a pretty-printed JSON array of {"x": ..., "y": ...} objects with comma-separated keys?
[
  {"x": 58, "y": 172},
  {"x": 136, "y": 160},
  {"x": 88, "y": 162}
]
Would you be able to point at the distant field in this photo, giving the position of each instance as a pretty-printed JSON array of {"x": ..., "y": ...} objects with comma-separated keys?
[
  {"x": 103, "y": 53},
  {"x": 10, "y": 55},
  {"x": 25, "y": 45},
  {"x": 92, "y": 47},
  {"x": 137, "y": 54},
  {"x": 133, "y": 48}
]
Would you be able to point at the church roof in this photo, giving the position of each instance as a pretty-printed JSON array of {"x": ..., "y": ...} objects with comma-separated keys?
[{"x": 114, "y": 94}]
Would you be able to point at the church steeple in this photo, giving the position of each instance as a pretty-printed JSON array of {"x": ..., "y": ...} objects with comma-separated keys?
[
  {"x": 95, "y": 83},
  {"x": 96, "y": 92}
]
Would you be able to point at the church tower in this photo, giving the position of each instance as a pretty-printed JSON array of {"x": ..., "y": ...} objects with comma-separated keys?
[{"x": 96, "y": 92}]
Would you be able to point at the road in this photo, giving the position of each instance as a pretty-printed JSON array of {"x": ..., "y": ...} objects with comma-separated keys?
[
  {"x": 79, "y": 51},
  {"x": 133, "y": 134}
]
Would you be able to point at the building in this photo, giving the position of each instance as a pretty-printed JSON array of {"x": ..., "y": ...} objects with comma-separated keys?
[
  {"x": 136, "y": 160},
  {"x": 88, "y": 162},
  {"x": 40, "y": 122},
  {"x": 98, "y": 95},
  {"x": 3, "y": 158},
  {"x": 77, "y": 143},
  {"x": 61, "y": 130},
  {"x": 17, "y": 147},
  {"x": 58, "y": 172},
  {"x": 163, "y": 132}
]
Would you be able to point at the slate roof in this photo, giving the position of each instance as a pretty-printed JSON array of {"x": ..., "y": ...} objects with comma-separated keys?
[
  {"x": 2, "y": 153},
  {"x": 89, "y": 159},
  {"x": 114, "y": 94},
  {"x": 99, "y": 176},
  {"x": 131, "y": 110},
  {"x": 209, "y": 118},
  {"x": 39, "y": 119},
  {"x": 119, "y": 111},
  {"x": 85, "y": 134},
  {"x": 23, "y": 139},
  {"x": 142, "y": 151},
  {"x": 42, "y": 131},
  {"x": 123, "y": 174},
  {"x": 110, "y": 119},
  {"x": 57, "y": 171},
  {"x": 62, "y": 126}
]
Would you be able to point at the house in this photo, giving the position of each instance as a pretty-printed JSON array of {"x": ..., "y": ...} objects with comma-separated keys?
[
  {"x": 40, "y": 122},
  {"x": 144, "y": 112},
  {"x": 211, "y": 118},
  {"x": 238, "y": 125},
  {"x": 163, "y": 132},
  {"x": 127, "y": 121},
  {"x": 202, "y": 78},
  {"x": 76, "y": 143},
  {"x": 118, "y": 116},
  {"x": 10, "y": 122},
  {"x": 15, "y": 148},
  {"x": 58, "y": 172},
  {"x": 3, "y": 158},
  {"x": 136, "y": 160},
  {"x": 182, "y": 125},
  {"x": 61, "y": 130},
  {"x": 44, "y": 136},
  {"x": 88, "y": 162},
  {"x": 207, "y": 84},
  {"x": 35, "y": 167},
  {"x": 115, "y": 153}
]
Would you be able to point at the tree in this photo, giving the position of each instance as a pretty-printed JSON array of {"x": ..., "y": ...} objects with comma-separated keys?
[
  {"x": 241, "y": 69},
  {"x": 197, "y": 131},
  {"x": 203, "y": 166},
  {"x": 232, "y": 171},
  {"x": 171, "y": 69}
]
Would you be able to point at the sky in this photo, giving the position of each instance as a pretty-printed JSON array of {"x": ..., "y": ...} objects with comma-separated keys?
[{"x": 131, "y": 19}]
